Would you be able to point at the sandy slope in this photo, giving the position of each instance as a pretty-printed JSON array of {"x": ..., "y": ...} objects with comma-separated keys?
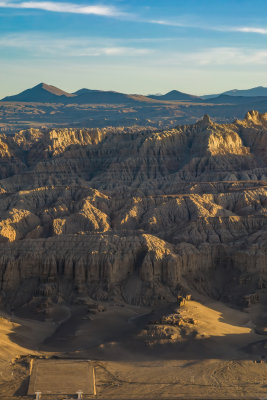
[
  {"x": 213, "y": 363},
  {"x": 216, "y": 319},
  {"x": 18, "y": 338}
]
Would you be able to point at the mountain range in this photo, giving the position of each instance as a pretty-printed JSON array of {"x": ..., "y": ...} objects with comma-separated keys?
[
  {"x": 175, "y": 95},
  {"x": 44, "y": 93},
  {"x": 254, "y": 92}
]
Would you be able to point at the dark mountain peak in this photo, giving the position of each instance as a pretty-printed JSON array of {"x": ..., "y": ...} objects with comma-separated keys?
[
  {"x": 256, "y": 91},
  {"x": 52, "y": 89},
  {"x": 176, "y": 95},
  {"x": 82, "y": 91},
  {"x": 89, "y": 96},
  {"x": 175, "y": 92},
  {"x": 253, "y": 92},
  {"x": 44, "y": 93},
  {"x": 41, "y": 93}
]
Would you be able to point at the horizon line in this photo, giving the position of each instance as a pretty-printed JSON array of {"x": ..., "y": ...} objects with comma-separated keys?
[{"x": 148, "y": 94}]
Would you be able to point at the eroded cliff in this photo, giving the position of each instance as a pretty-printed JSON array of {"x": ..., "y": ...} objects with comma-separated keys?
[{"x": 134, "y": 213}]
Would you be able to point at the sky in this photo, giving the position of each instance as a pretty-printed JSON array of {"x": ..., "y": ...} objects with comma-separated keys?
[{"x": 133, "y": 46}]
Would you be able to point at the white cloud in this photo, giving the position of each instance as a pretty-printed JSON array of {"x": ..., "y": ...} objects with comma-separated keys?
[
  {"x": 241, "y": 29},
  {"x": 168, "y": 23},
  {"x": 38, "y": 46},
  {"x": 64, "y": 7},
  {"x": 111, "y": 11},
  {"x": 261, "y": 31},
  {"x": 48, "y": 46},
  {"x": 107, "y": 51},
  {"x": 69, "y": 47},
  {"x": 220, "y": 56}
]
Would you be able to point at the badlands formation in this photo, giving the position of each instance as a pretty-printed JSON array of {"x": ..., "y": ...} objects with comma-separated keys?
[
  {"x": 133, "y": 214},
  {"x": 121, "y": 222}
]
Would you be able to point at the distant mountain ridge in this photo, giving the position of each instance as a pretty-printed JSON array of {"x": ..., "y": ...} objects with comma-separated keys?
[
  {"x": 175, "y": 95},
  {"x": 88, "y": 96},
  {"x": 253, "y": 92},
  {"x": 236, "y": 100},
  {"x": 257, "y": 91},
  {"x": 41, "y": 92},
  {"x": 44, "y": 93}
]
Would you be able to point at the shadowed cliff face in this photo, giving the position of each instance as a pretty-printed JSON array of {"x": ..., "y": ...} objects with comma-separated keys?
[{"x": 142, "y": 215}]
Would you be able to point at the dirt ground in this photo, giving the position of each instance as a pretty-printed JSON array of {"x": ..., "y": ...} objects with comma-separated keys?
[{"x": 203, "y": 349}]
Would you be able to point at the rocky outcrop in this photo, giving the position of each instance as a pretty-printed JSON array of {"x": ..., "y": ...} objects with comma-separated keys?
[{"x": 133, "y": 213}]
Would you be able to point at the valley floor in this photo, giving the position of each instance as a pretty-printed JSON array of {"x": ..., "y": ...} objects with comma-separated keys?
[{"x": 204, "y": 349}]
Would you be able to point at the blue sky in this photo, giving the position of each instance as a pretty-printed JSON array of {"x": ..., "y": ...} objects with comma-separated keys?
[{"x": 134, "y": 46}]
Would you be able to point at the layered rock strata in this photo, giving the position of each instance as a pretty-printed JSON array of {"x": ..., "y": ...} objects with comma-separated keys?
[{"x": 133, "y": 213}]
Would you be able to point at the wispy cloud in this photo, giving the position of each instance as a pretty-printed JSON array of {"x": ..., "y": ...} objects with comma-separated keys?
[
  {"x": 69, "y": 47},
  {"x": 37, "y": 46},
  {"x": 73, "y": 8},
  {"x": 210, "y": 27},
  {"x": 219, "y": 56},
  {"x": 246, "y": 29},
  {"x": 169, "y": 23},
  {"x": 112, "y": 11},
  {"x": 107, "y": 51}
]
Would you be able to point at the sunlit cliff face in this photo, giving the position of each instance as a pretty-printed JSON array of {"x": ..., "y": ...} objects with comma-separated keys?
[{"x": 179, "y": 208}]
